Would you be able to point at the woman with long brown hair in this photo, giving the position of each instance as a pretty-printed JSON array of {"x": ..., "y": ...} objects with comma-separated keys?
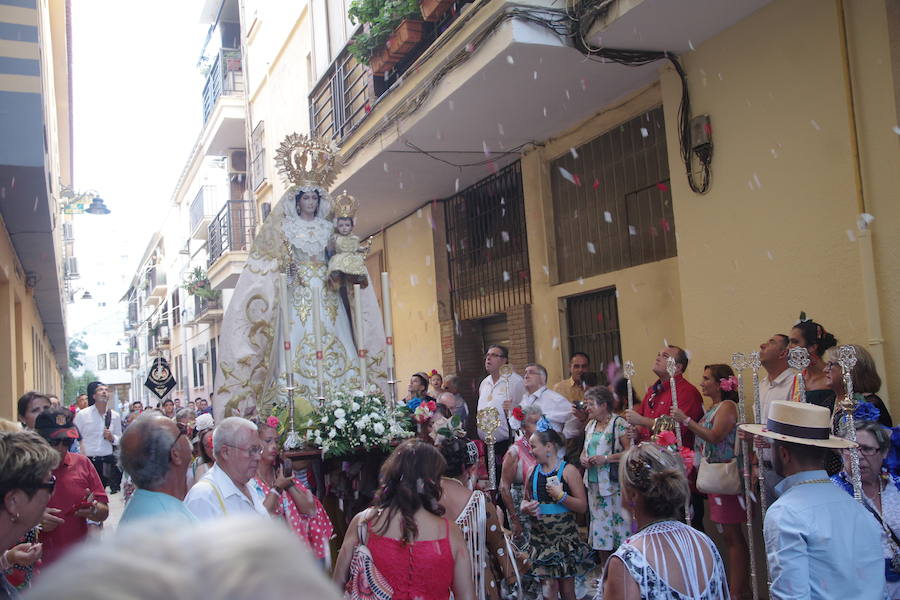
[{"x": 419, "y": 552}]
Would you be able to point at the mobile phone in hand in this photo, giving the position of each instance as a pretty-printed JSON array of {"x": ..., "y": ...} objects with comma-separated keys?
[
  {"x": 287, "y": 467},
  {"x": 553, "y": 480}
]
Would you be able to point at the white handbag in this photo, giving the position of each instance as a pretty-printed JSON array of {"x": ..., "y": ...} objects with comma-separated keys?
[{"x": 722, "y": 478}]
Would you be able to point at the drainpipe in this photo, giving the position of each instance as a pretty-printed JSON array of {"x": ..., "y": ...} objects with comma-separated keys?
[{"x": 875, "y": 340}]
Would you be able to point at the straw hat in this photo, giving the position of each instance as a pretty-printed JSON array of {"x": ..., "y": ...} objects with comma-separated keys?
[{"x": 799, "y": 423}]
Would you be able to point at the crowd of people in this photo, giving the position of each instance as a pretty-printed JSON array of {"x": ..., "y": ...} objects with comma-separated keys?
[{"x": 591, "y": 483}]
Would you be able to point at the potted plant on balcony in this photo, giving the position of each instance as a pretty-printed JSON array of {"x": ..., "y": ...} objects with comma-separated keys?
[
  {"x": 391, "y": 28},
  {"x": 197, "y": 284},
  {"x": 433, "y": 10}
]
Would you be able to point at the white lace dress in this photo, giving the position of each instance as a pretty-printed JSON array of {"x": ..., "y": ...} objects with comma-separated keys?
[{"x": 672, "y": 561}]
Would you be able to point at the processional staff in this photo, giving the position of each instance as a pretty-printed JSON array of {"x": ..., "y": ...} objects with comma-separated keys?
[
  {"x": 628, "y": 370},
  {"x": 847, "y": 360},
  {"x": 739, "y": 363},
  {"x": 292, "y": 441},
  {"x": 757, "y": 413}
]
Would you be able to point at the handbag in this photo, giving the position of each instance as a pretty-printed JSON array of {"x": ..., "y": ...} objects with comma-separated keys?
[
  {"x": 366, "y": 581},
  {"x": 722, "y": 478}
]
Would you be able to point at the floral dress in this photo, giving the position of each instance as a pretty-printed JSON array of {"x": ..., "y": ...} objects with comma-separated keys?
[
  {"x": 315, "y": 530},
  {"x": 610, "y": 522}
]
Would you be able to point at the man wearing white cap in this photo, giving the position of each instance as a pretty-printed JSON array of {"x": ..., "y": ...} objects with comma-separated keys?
[{"x": 821, "y": 544}]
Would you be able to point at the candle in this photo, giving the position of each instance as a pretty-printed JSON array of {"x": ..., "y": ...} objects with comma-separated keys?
[
  {"x": 360, "y": 343},
  {"x": 317, "y": 330},
  {"x": 286, "y": 328},
  {"x": 388, "y": 319}
]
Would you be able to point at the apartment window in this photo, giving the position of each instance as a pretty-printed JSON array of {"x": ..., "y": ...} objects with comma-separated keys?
[
  {"x": 258, "y": 153},
  {"x": 176, "y": 307},
  {"x": 179, "y": 382},
  {"x": 611, "y": 200},
  {"x": 196, "y": 354},
  {"x": 213, "y": 359},
  {"x": 101, "y": 362},
  {"x": 488, "y": 246},
  {"x": 113, "y": 360},
  {"x": 593, "y": 327}
]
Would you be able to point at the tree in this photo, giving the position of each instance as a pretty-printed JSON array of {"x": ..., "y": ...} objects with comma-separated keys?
[
  {"x": 77, "y": 346},
  {"x": 76, "y": 384}
]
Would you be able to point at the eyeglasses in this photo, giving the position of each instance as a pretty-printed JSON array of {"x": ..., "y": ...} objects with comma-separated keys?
[
  {"x": 67, "y": 442},
  {"x": 864, "y": 450},
  {"x": 47, "y": 485},
  {"x": 251, "y": 451}
]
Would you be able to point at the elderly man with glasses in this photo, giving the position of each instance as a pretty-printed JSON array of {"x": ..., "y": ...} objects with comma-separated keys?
[
  {"x": 78, "y": 496},
  {"x": 224, "y": 490},
  {"x": 156, "y": 453}
]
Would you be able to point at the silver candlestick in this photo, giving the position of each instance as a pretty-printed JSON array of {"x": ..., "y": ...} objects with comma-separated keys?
[
  {"x": 757, "y": 413},
  {"x": 628, "y": 370},
  {"x": 847, "y": 360},
  {"x": 798, "y": 359},
  {"x": 670, "y": 369},
  {"x": 739, "y": 362}
]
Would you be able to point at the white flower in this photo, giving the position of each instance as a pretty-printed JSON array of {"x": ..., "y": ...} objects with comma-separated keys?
[
  {"x": 340, "y": 413},
  {"x": 378, "y": 428},
  {"x": 363, "y": 438},
  {"x": 354, "y": 407},
  {"x": 309, "y": 423},
  {"x": 358, "y": 394},
  {"x": 340, "y": 423},
  {"x": 332, "y": 434}
]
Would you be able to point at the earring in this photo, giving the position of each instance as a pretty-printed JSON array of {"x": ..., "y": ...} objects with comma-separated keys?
[
  {"x": 15, "y": 518},
  {"x": 549, "y": 454}
]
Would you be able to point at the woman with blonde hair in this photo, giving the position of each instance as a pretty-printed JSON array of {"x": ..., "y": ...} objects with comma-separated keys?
[{"x": 665, "y": 558}]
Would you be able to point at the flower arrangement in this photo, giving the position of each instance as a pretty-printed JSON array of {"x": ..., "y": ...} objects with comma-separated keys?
[
  {"x": 516, "y": 418},
  {"x": 197, "y": 284},
  {"x": 380, "y": 18},
  {"x": 349, "y": 422},
  {"x": 424, "y": 411}
]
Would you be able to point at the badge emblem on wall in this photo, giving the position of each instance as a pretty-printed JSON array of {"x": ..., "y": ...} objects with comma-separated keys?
[{"x": 160, "y": 380}]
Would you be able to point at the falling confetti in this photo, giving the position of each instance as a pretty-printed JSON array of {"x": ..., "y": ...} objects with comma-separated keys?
[
  {"x": 566, "y": 175},
  {"x": 607, "y": 216},
  {"x": 632, "y": 230},
  {"x": 385, "y": 168},
  {"x": 504, "y": 235},
  {"x": 581, "y": 281},
  {"x": 574, "y": 153},
  {"x": 583, "y": 85},
  {"x": 691, "y": 45},
  {"x": 665, "y": 344},
  {"x": 644, "y": 132},
  {"x": 770, "y": 255},
  {"x": 456, "y": 186},
  {"x": 664, "y": 223},
  {"x": 851, "y": 236},
  {"x": 419, "y": 213},
  {"x": 545, "y": 111},
  {"x": 546, "y": 270},
  {"x": 427, "y": 260},
  {"x": 506, "y": 276},
  {"x": 896, "y": 129},
  {"x": 535, "y": 75},
  {"x": 756, "y": 181},
  {"x": 815, "y": 125},
  {"x": 500, "y": 128},
  {"x": 662, "y": 187},
  {"x": 591, "y": 248},
  {"x": 596, "y": 184},
  {"x": 555, "y": 343},
  {"x": 863, "y": 221},
  {"x": 484, "y": 146},
  {"x": 600, "y": 317},
  {"x": 510, "y": 59},
  {"x": 470, "y": 48},
  {"x": 413, "y": 280}
]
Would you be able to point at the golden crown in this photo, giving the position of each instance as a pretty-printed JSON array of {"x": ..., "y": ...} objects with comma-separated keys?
[
  {"x": 303, "y": 161},
  {"x": 344, "y": 206}
]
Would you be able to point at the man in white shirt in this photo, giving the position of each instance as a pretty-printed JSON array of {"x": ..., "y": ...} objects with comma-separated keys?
[
  {"x": 101, "y": 428},
  {"x": 224, "y": 490},
  {"x": 501, "y": 393},
  {"x": 776, "y": 385},
  {"x": 556, "y": 407}
]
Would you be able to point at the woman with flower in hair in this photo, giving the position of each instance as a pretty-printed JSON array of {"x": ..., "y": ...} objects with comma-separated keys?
[
  {"x": 287, "y": 497},
  {"x": 417, "y": 551},
  {"x": 435, "y": 384},
  {"x": 714, "y": 440},
  {"x": 813, "y": 336},
  {"x": 880, "y": 489},
  {"x": 665, "y": 558},
  {"x": 554, "y": 492}
]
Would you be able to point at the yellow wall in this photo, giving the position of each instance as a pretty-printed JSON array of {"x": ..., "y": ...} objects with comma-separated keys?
[
  {"x": 409, "y": 258},
  {"x": 649, "y": 301},
  {"x": 770, "y": 238},
  {"x": 18, "y": 318}
]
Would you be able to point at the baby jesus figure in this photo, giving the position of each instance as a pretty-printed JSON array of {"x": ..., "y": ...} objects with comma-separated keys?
[{"x": 347, "y": 266}]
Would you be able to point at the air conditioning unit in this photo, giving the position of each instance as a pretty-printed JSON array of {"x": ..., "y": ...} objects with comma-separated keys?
[
  {"x": 71, "y": 270},
  {"x": 237, "y": 162},
  {"x": 68, "y": 232}
]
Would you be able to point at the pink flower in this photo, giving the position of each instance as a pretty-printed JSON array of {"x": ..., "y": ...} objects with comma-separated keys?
[
  {"x": 272, "y": 422},
  {"x": 666, "y": 438},
  {"x": 728, "y": 384}
]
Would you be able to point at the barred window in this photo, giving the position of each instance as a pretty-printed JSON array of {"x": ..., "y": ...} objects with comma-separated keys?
[
  {"x": 593, "y": 327},
  {"x": 258, "y": 153},
  {"x": 612, "y": 202}
]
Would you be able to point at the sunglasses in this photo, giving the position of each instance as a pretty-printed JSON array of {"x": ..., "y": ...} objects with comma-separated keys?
[
  {"x": 47, "y": 485},
  {"x": 66, "y": 442}
]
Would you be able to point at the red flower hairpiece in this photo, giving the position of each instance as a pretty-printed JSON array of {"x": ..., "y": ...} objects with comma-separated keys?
[
  {"x": 518, "y": 413},
  {"x": 728, "y": 384},
  {"x": 273, "y": 422},
  {"x": 433, "y": 373}
]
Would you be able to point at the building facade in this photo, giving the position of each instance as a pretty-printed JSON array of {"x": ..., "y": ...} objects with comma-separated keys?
[{"x": 35, "y": 168}]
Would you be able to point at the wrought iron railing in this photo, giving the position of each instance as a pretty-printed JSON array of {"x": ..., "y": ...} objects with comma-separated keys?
[
  {"x": 488, "y": 257},
  {"x": 231, "y": 230},
  {"x": 226, "y": 77}
]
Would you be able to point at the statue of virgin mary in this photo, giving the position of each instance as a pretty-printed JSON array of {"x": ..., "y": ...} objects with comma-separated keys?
[{"x": 293, "y": 245}]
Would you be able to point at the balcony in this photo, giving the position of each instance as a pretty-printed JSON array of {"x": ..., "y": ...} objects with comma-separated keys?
[
  {"x": 225, "y": 78},
  {"x": 202, "y": 211},
  {"x": 207, "y": 311},
  {"x": 230, "y": 237},
  {"x": 156, "y": 286}
]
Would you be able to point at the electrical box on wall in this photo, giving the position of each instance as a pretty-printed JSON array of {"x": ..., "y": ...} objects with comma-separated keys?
[{"x": 701, "y": 132}]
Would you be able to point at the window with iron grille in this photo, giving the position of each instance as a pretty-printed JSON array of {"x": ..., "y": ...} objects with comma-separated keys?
[
  {"x": 611, "y": 200},
  {"x": 176, "y": 307},
  {"x": 258, "y": 153},
  {"x": 113, "y": 361},
  {"x": 593, "y": 327},
  {"x": 487, "y": 246},
  {"x": 101, "y": 362}
]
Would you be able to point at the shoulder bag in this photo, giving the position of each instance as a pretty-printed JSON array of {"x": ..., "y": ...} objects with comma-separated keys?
[
  {"x": 366, "y": 581},
  {"x": 723, "y": 478}
]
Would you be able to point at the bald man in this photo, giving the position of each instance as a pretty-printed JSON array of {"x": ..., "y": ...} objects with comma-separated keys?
[{"x": 156, "y": 452}]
